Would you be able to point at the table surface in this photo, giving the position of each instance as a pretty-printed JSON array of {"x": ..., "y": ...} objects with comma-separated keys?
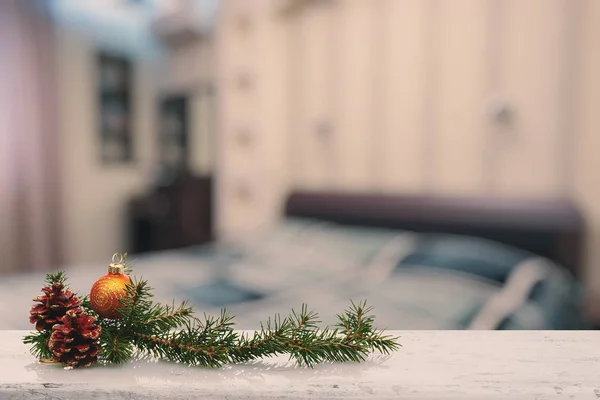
[{"x": 430, "y": 365}]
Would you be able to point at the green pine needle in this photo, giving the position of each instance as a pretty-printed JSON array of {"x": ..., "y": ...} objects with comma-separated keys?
[
  {"x": 128, "y": 265},
  {"x": 39, "y": 344},
  {"x": 58, "y": 277},
  {"x": 173, "y": 333}
]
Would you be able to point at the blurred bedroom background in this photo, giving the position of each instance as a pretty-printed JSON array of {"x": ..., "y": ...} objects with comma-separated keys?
[{"x": 438, "y": 158}]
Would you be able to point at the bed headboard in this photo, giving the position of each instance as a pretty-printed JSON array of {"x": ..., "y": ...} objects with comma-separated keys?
[{"x": 552, "y": 228}]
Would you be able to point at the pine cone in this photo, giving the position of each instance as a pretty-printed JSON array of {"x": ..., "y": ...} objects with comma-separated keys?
[
  {"x": 54, "y": 304},
  {"x": 74, "y": 341}
]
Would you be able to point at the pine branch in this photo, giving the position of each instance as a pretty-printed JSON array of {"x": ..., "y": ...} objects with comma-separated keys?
[
  {"x": 269, "y": 341},
  {"x": 58, "y": 277},
  {"x": 39, "y": 344},
  {"x": 205, "y": 343},
  {"x": 213, "y": 342},
  {"x": 87, "y": 306},
  {"x": 172, "y": 333},
  {"x": 162, "y": 318},
  {"x": 128, "y": 266},
  {"x": 115, "y": 347},
  {"x": 358, "y": 325},
  {"x": 299, "y": 336}
]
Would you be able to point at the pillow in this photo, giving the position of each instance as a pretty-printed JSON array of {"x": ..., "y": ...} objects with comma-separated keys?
[
  {"x": 482, "y": 257},
  {"x": 561, "y": 299}
]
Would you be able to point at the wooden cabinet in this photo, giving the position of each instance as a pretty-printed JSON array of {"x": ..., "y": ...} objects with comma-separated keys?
[{"x": 175, "y": 216}]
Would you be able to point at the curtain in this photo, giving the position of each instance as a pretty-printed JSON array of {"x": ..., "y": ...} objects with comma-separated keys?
[{"x": 29, "y": 186}]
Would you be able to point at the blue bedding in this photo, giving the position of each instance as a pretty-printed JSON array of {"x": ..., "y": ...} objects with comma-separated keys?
[{"x": 414, "y": 281}]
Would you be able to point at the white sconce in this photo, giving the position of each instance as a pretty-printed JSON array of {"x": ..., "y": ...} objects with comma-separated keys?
[
  {"x": 243, "y": 22},
  {"x": 501, "y": 112},
  {"x": 244, "y": 136},
  {"x": 244, "y": 80},
  {"x": 244, "y": 190},
  {"x": 324, "y": 129}
]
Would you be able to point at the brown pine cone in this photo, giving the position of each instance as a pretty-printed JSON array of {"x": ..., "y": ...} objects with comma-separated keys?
[
  {"x": 53, "y": 305},
  {"x": 74, "y": 340}
]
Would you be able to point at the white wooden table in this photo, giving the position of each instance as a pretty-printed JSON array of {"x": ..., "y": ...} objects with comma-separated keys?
[{"x": 431, "y": 365}]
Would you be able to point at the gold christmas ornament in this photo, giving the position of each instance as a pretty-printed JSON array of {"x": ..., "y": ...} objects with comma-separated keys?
[{"x": 106, "y": 291}]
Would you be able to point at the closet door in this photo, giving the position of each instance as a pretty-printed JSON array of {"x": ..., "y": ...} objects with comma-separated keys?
[
  {"x": 237, "y": 132},
  {"x": 401, "y": 82},
  {"x": 355, "y": 54},
  {"x": 529, "y": 152},
  {"x": 457, "y": 77},
  {"x": 586, "y": 176},
  {"x": 310, "y": 65}
]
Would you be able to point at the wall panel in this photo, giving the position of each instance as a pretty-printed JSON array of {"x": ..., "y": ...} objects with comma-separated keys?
[
  {"x": 311, "y": 67},
  {"x": 528, "y": 152},
  {"x": 402, "y": 143},
  {"x": 353, "y": 134},
  {"x": 587, "y": 162},
  {"x": 461, "y": 75}
]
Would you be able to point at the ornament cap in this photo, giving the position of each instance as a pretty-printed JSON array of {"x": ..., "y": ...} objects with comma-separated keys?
[{"x": 116, "y": 269}]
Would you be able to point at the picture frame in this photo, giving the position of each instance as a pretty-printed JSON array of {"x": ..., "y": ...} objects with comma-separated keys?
[
  {"x": 174, "y": 136},
  {"x": 115, "y": 87}
]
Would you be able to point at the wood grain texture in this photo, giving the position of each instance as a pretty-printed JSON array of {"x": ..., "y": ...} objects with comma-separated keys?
[
  {"x": 587, "y": 182},
  {"x": 403, "y": 142},
  {"x": 353, "y": 118},
  {"x": 457, "y": 154},
  {"x": 529, "y": 152},
  {"x": 311, "y": 148},
  {"x": 431, "y": 365}
]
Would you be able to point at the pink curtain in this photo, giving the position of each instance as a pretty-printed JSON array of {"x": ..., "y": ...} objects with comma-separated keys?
[{"x": 29, "y": 186}]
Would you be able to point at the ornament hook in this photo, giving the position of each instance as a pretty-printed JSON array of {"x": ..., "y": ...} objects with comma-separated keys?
[{"x": 118, "y": 260}]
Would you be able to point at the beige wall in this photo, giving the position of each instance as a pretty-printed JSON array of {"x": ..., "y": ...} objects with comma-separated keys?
[
  {"x": 586, "y": 136},
  {"x": 407, "y": 88},
  {"x": 94, "y": 195}
]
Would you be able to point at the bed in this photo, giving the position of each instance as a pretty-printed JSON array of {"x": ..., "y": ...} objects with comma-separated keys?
[{"x": 422, "y": 262}]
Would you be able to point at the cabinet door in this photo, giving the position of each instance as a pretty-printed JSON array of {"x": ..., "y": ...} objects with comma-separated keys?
[
  {"x": 311, "y": 60},
  {"x": 586, "y": 179},
  {"x": 353, "y": 87},
  {"x": 529, "y": 158},
  {"x": 399, "y": 139},
  {"x": 458, "y": 76}
]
